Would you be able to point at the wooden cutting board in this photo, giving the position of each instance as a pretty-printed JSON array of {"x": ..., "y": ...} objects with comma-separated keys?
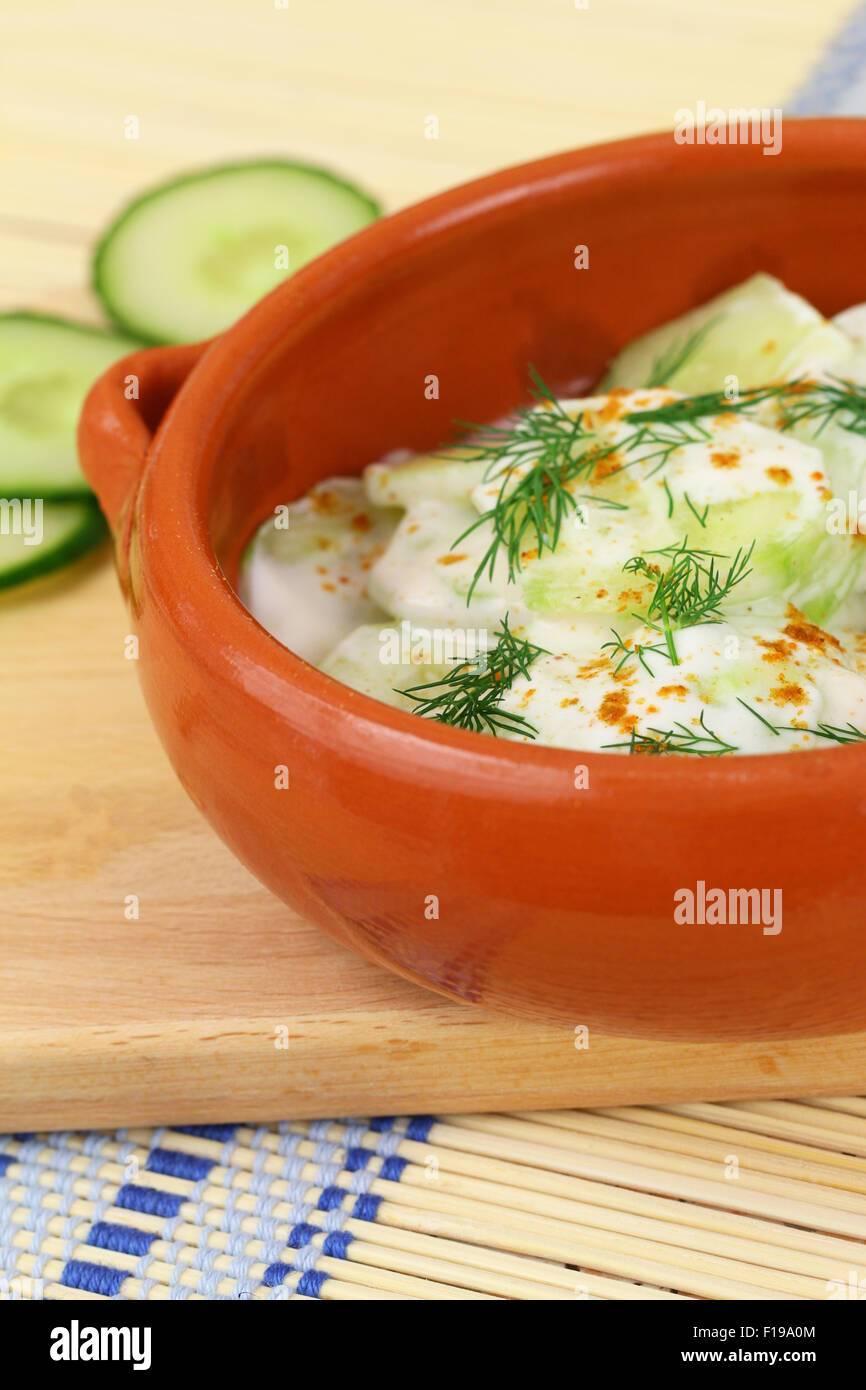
[
  {"x": 173, "y": 1017},
  {"x": 217, "y": 1002}
]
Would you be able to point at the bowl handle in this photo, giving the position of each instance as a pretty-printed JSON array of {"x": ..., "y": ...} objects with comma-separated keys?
[{"x": 121, "y": 415}]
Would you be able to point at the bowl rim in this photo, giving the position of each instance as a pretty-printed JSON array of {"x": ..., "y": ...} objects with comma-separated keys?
[{"x": 238, "y": 647}]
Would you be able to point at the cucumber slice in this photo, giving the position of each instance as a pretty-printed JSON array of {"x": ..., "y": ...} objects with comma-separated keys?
[
  {"x": 381, "y": 659},
  {"x": 37, "y": 537},
  {"x": 448, "y": 476},
  {"x": 47, "y": 366},
  {"x": 426, "y": 579},
  {"x": 853, "y": 323},
  {"x": 747, "y": 332},
  {"x": 186, "y": 259}
]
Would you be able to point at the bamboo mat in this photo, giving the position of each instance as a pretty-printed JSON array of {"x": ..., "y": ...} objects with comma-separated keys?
[
  {"x": 350, "y": 86},
  {"x": 752, "y": 1200}
]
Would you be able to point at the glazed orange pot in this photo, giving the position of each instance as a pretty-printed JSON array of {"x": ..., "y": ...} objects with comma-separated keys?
[{"x": 487, "y": 870}]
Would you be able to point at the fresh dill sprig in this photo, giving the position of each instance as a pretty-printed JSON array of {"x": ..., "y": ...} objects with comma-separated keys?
[
  {"x": 677, "y": 355},
  {"x": 657, "y": 442},
  {"x": 700, "y": 742},
  {"x": 835, "y": 733},
  {"x": 687, "y": 409},
  {"x": 689, "y": 591},
  {"x": 700, "y": 517},
  {"x": 849, "y": 734},
  {"x": 540, "y": 453},
  {"x": 556, "y": 450},
  {"x": 469, "y": 696},
  {"x": 609, "y": 503},
  {"x": 842, "y": 402},
  {"x": 774, "y": 728},
  {"x": 625, "y": 651}
]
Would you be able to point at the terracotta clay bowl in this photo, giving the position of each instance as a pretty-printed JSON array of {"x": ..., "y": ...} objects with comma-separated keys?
[{"x": 481, "y": 868}]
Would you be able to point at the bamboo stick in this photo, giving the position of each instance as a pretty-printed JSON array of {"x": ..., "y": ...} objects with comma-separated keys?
[
  {"x": 831, "y": 1127},
  {"x": 840, "y": 1170},
  {"x": 696, "y": 1145},
  {"x": 849, "y": 1105},
  {"x": 59, "y": 1293},
  {"x": 552, "y": 1147},
  {"x": 740, "y": 1116}
]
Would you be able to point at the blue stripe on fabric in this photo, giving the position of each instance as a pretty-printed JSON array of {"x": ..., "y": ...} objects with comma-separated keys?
[
  {"x": 331, "y": 1198},
  {"x": 275, "y": 1274},
  {"x": 107, "y": 1235},
  {"x": 336, "y": 1244},
  {"x": 221, "y": 1133},
  {"x": 311, "y": 1283},
  {"x": 174, "y": 1164},
  {"x": 392, "y": 1168},
  {"x": 91, "y": 1278},
  {"x": 301, "y": 1235},
  {"x": 366, "y": 1207},
  {"x": 382, "y": 1123},
  {"x": 357, "y": 1158},
  {"x": 148, "y": 1200},
  {"x": 23, "y": 1138},
  {"x": 5, "y": 1160},
  {"x": 419, "y": 1127}
]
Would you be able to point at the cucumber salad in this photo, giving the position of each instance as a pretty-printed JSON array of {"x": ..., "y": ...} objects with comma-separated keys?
[{"x": 671, "y": 565}]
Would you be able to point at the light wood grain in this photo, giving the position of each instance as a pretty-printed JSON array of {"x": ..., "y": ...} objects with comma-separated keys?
[{"x": 174, "y": 1016}]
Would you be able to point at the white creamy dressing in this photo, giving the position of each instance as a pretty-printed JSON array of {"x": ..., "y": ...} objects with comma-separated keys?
[
  {"x": 424, "y": 578},
  {"x": 789, "y": 671},
  {"x": 364, "y": 559},
  {"x": 308, "y": 582}
]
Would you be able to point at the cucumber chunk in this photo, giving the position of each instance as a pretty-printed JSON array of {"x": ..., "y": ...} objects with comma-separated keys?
[
  {"x": 187, "y": 258},
  {"x": 47, "y": 367},
  {"x": 746, "y": 333},
  {"x": 382, "y": 659},
  {"x": 823, "y": 352},
  {"x": 448, "y": 476},
  {"x": 853, "y": 323},
  {"x": 37, "y": 537},
  {"x": 425, "y": 577}
]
